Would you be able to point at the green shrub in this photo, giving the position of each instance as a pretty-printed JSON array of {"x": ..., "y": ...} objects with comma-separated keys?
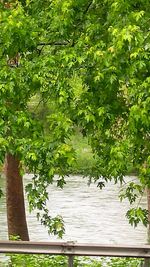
[{"x": 21, "y": 260}]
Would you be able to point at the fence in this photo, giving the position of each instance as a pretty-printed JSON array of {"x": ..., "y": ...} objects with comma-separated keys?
[{"x": 72, "y": 249}]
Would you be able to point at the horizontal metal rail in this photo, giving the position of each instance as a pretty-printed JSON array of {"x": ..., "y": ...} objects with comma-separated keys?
[{"x": 74, "y": 249}]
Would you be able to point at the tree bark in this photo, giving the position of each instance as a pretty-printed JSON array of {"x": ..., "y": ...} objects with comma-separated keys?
[
  {"x": 16, "y": 217},
  {"x": 147, "y": 261},
  {"x": 148, "y": 206}
]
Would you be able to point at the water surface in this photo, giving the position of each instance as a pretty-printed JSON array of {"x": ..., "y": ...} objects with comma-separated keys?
[{"x": 91, "y": 215}]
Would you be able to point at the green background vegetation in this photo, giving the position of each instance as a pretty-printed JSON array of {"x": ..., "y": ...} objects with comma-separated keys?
[{"x": 62, "y": 261}]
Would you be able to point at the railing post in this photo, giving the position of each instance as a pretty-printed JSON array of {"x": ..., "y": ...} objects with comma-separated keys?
[
  {"x": 146, "y": 263},
  {"x": 70, "y": 261}
]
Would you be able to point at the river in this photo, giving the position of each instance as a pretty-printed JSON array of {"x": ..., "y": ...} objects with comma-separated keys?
[{"x": 91, "y": 215}]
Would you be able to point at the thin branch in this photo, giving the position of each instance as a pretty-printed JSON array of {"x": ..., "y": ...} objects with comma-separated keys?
[
  {"x": 88, "y": 7},
  {"x": 126, "y": 183},
  {"x": 59, "y": 43},
  {"x": 37, "y": 106},
  {"x": 140, "y": 199},
  {"x": 54, "y": 43},
  {"x": 39, "y": 103}
]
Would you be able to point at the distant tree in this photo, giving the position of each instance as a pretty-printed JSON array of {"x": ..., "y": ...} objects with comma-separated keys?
[{"x": 91, "y": 60}]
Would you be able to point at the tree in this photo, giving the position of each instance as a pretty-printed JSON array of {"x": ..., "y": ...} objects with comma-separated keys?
[
  {"x": 94, "y": 69},
  {"x": 110, "y": 58},
  {"x": 105, "y": 70},
  {"x": 23, "y": 138},
  {"x": 118, "y": 98}
]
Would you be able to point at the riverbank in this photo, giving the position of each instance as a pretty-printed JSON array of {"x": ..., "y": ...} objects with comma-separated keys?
[{"x": 84, "y": 156}]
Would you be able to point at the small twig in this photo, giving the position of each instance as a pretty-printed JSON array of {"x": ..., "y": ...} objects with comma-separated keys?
[
  {"x": 140, "y": 199},
  {"x": 36, "y": 107},
  {"x": 39, "y": 103},
  {"x": 88, "y": 7},
  {"x": 54, "y": 43},
  {"x": 125, "y": 184}
]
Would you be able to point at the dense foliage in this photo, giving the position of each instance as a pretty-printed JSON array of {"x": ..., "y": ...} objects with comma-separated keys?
[
  {"x": 89, "y": 62},
  {"x": 62, "y": 261}
]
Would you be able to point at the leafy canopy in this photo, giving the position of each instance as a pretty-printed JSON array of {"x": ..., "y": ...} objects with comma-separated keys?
[{"x": 89, "y": 60}]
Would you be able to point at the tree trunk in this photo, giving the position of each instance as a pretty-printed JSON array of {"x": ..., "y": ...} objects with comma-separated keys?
[
  {"x": 16, "y": 218},
  {"x": 147, "y": 261},
  {"x": 148, "y": 206}
]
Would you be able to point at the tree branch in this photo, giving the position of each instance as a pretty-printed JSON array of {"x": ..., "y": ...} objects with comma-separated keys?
[
  {"x": 54, "y": 43},
  {"x": 88, "y": 7}
]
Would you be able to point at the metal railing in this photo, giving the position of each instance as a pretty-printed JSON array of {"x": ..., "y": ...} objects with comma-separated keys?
[{"x": 72, "y": 249}]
